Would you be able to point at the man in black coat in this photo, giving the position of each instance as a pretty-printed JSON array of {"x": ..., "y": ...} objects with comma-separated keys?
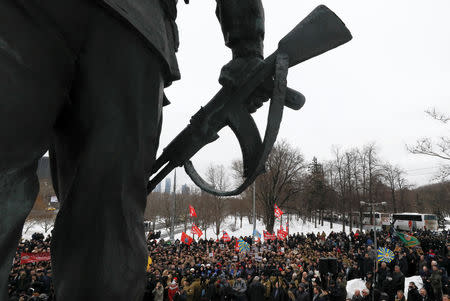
[
  {"x": 86, "y": 79},
  {"x": 398, "y": 279},
  {"x": 256, "y": 290}
]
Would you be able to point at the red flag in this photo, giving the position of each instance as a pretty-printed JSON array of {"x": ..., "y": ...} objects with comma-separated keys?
[
  {"x": 281, "y": 234},
  {"x": 186, "y": 239},
  {"x": 278, "y": 212},
  {"x": 269, "y": 236},
  {"x": 192, "y": 211},
  {"x": 287, "y": 227},
  {"x": 226, "y": 237},
  {"x": 196, "y": 230},
  {"x": 236, "y": 247},
  {"x": 34, "y": 257}
]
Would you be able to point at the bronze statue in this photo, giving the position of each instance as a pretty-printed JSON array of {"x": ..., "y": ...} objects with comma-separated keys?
[{"x": 85, "y": 80}]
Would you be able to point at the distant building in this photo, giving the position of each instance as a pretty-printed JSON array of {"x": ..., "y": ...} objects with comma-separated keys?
[
  {"x": 168, "y": 186},
  {"x": 185, "y": 189},
  {"x": 157, "y": 188}
]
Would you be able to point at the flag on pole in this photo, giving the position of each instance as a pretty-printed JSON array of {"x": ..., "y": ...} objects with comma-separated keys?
[
  {"x": 192, "y": 211},
  {"x": 269, "y": 236},
  {"x": 281, "y": 234},
  {"x": 257, "y": 235},
  {"x": 384, "y": 254},
  {"x": 278, "y": 212},
  {"x": 287, "y": 226},
  {"x": 196, "y": 230},
  {"x": 408, "y": 240},
  {"x": 186, "y": 239},
  {"x": 243, "y": 246},
  {"x": 226, "y": 237},
  {"x": 149, "y": 263}
]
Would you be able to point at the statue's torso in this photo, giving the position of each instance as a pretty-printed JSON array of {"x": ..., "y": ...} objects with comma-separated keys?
[{"x": 153, "y": 22}]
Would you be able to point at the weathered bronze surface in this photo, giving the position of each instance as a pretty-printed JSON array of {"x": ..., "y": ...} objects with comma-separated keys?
[{"x": 84, "y": 80}]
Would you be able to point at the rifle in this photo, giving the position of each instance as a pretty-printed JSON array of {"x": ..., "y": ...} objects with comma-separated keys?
[{"x": 319, "y": 32}]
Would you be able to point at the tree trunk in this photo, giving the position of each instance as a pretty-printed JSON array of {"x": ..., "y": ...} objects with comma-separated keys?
[
  {"x": 350, "y": 221},
  {"x": 241, "y": 222},
  {"x": 331, "y": 220}
]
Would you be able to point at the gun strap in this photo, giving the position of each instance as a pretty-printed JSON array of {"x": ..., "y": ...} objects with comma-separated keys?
[{"x": 272, "y": 129}]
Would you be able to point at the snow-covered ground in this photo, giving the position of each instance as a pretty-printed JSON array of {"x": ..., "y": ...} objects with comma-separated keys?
[
  {"x": 228, "y": 225},
  {"x": 295, "y": 226}
]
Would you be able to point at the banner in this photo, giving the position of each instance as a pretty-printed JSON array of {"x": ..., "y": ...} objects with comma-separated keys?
[
  {"x": 281, "y": 234},
  {"x": 34, "y": 257},
  {"x": 278, "y": 212},
  {"x": 196, "y": 230},
  {"x": 149, "y": 263},
  {"x": 186, "y": 239},
  {"x": 408, "y": 240},
  {"x": 192, "y": 211},
  {"x": 226, "y": 237},
  {"x": 243, "y": 246},
  {"x": 269, "y": 236}
]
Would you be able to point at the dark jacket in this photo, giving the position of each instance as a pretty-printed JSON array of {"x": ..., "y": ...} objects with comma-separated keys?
[
  {"x": 413, "y": 295},
  {"x": 256, "y": 291}
]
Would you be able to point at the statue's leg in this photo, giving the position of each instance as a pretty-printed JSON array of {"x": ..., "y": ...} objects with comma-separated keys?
[
  {"x": 32, "y": 88},
  {"x": 98, "y": 249}
]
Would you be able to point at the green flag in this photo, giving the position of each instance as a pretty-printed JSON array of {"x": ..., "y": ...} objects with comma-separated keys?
[{"x": 408, "y": 240}]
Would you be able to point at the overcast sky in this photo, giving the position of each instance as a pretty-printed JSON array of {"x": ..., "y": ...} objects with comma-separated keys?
[{"x": 373, "y": 89}]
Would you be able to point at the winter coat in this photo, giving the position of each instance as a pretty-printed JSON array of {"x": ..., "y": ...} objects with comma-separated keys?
[
  {"x": 256, "y": 291},
  {"x": 413, "y": 295},
  {"x": 158, "y": 293}
]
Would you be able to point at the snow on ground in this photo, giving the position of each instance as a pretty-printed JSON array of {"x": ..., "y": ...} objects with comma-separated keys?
[
  {"x": 295, "y": 226},
  {"x": 359, "y": 284}
]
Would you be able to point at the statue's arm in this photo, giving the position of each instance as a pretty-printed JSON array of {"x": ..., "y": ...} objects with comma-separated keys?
[{"x": 242, "y": 23}]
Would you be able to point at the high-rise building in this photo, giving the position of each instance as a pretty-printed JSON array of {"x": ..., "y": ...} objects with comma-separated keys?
[
  {"x": 168, "y": 186},
  {"x": 185, "y": 189},
  {"x": 157, "y": 188}
]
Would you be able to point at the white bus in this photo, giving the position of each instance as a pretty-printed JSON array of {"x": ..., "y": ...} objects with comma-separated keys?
[
  {"x": 381, "y": 219},
  {"x": 415, "y": 221}
]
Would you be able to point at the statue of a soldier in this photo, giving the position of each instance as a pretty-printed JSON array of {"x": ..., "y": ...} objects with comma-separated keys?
[{"x": 85, "y": 79}]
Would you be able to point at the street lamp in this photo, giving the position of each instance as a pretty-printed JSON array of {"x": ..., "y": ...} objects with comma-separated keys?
[{"x": 372, "y": 204}]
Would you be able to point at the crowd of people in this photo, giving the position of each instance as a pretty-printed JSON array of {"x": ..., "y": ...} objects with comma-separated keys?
[{"x": 286, "y": 269}]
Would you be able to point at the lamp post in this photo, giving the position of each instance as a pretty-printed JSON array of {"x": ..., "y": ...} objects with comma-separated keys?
[{"x": 372, "y": 204}]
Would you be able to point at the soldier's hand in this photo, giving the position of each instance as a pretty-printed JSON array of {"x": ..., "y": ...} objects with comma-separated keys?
[{"x": 233, "y": 73}]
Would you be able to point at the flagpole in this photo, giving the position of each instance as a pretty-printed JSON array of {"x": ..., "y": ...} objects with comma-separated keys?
[
  {"x": 172, "y": 220},
  {"x": 254, "y": 209}
]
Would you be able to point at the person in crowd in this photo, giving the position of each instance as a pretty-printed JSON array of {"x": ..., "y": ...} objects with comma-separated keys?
[
  {"x": 400, "y": 296},
  {"x": 357, "y": 296},
  {"x": 423, "y": 295},
  {"x": 273, "y": 270},
  {"x": 413, "y": 292}
]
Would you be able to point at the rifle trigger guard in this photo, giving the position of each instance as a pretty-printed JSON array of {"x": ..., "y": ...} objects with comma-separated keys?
[{"x": 273, "y": 126}]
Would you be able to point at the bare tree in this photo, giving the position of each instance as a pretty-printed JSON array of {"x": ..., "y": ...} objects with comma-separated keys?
[
  {"x": 217, "y": 177},
  {"x": 438, "y": 147},
  {"x": 394, "y": 177},
  {"x": 282, "y": 181}
]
